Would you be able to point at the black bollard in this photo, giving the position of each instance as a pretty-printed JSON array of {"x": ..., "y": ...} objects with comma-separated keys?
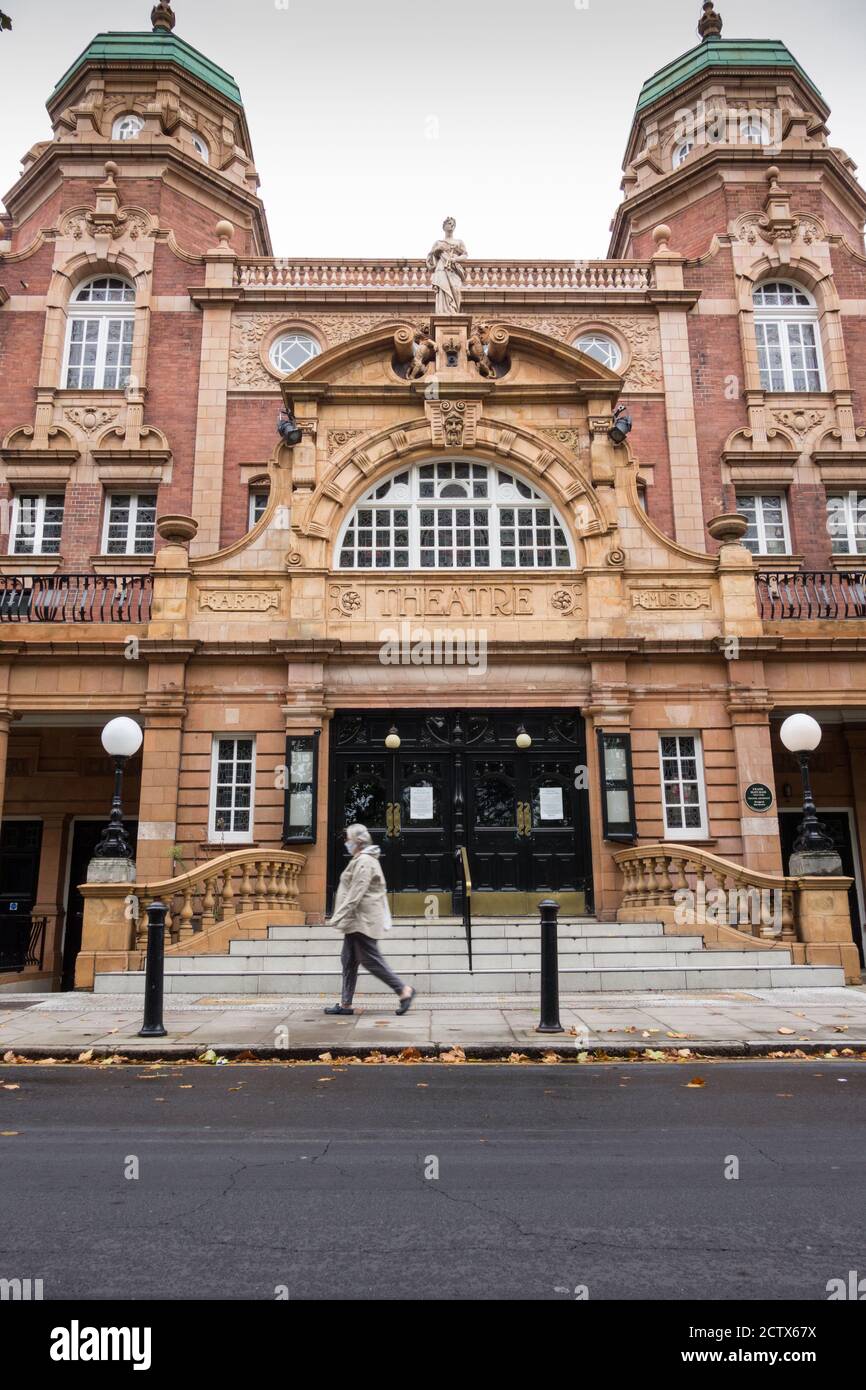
[
  {"x": 549, "y": 969},
  {"x": 154, "y": 970}
]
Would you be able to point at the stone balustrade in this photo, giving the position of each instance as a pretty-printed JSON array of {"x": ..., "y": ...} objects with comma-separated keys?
[
  {"x": 238, "y": 894},
  {"x": 223, "y": 889},
  {"x": 691, "y": 890},
  {"x": 522, "y": 276}
]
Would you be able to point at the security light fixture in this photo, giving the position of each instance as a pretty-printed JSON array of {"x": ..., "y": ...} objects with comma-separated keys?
[
  {"x": 622, "y": 423},
  {"x": 287, "y": 426}
]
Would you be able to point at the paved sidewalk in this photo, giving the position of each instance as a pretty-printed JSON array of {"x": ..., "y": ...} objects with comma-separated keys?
[{"x": 725, "y": 1021}]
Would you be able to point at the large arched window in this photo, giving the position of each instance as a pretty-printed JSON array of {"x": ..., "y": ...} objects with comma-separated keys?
[
  {"x": 454, "y": 514},
  {"x": 99, "y": 335},
  {"x": 789, "y": 344}
]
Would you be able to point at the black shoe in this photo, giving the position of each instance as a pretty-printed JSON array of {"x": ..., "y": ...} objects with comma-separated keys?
[
  {"x": 406, "y": 1004},
  {"x": 338, "y": 1009}
]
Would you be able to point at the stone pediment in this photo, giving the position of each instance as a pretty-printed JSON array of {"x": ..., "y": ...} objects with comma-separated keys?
[{"x": 451, "y": 351}]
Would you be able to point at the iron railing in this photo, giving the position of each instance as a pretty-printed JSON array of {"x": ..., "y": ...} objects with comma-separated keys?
[
  {"x": 75, "y": 598},
  {"x": 463, "y": 866},
  {"x": 811, "y": 594},
  {"x": 22, "y": 942}
]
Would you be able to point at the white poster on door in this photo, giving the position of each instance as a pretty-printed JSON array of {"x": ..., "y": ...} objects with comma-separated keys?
[
  {"x": 421, "y": 803},
  {"x": 551, "y": 803}
]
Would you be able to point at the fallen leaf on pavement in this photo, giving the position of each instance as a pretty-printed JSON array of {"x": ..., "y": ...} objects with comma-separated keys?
[
  {"x": 784, "y": 1030},
  {"x": 8, "y": 1133},
  {"x": 517, "y": 1057},
  {"x": 695, "y": 1081},
  {"x": 454, "y": 1054},
  {"x": 410, "y": 1054},
  {"x": 11, "y": 1086},
  {"x": 550, "y": 1057},
  {"x": 86, "y": 1056},
  {"x": 325, "y": 1057}
]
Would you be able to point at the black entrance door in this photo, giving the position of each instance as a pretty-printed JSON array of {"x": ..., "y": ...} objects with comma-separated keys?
[
  {"x": 524, "y": 823},
  {"x": 403, "y": 799},
  {"x": 458, "y": 780},
  {"x": 20, "y": 845},
  {"x": 85, "y": 837},
  {"x": 837, "y": 824}
]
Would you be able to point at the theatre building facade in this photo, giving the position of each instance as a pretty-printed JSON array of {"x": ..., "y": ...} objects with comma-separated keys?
[{"x": 456, "y": 598}]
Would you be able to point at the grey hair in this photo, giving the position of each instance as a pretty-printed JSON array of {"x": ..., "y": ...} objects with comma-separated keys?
[{"x": 360, "y": 834}]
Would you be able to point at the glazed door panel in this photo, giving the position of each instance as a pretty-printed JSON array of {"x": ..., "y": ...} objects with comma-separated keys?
[
  {"x": 495, "y": 852},
  {"x": 550, "y": 823},
  {"x": 421, "y": 833}
]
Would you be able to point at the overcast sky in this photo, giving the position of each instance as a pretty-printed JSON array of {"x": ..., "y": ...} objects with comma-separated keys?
[{"x": 373, "y": 119}]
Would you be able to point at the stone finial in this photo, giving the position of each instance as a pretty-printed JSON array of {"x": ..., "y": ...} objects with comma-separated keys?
[
  {"x": 710, "y": 23},
  {"x": 162, "y": 17},
  {"x": 662, "y": 236},
  {"x": 110, "y": 166},
  {"x": 224, "y": 231},
  {"x": 728, "y": 527},
  {"x": 176, "y": 529}
]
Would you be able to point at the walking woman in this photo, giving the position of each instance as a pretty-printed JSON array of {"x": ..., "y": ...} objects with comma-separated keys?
[{"x": 361, "y": 912}]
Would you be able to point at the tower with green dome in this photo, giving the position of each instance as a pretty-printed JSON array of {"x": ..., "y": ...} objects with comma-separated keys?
[{"x": 706, "y": 128}]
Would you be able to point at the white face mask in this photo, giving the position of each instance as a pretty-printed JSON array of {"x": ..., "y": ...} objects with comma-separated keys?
[{"x": 351, "y": 846}]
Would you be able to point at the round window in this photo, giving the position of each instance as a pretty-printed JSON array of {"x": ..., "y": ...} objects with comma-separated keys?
[
  {"x": 127, "y": 127},
  {"x": 602, "y": 348},
  {"x": 291, "y": 350}
]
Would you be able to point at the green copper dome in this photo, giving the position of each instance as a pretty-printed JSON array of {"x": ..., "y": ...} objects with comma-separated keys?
[
  {"x": 720, "y": 53},
  {"x": 159, "y": 47}
]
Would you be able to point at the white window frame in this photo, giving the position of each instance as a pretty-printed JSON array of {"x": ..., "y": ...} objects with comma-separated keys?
[
  {"x": 681, "y": 151},
  {"x": 201, "y": 148},
  {"x": 131, "y": 524},
  {"x": 41, "y": 500},
  {"x": 492, "y": 503},
  {"x": 684, "y": 832},
  {"x": 258, "y": 490},
  {"x": 117, "y": 127},
  {"x": 760, "y": 524},
  {"x": 850, "y": 496},
  {"x": 102, "y": 314},
  {"x": 787, "y": 318},
  {"x": 299, "y": 333},
  {"x": 230, "y": 837},
  {"x": 614, "y": 351}
]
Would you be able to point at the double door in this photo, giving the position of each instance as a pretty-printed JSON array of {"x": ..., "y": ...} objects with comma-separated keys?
[
  {"x": 521, "y": 815},
  {"x": 404, "y": 801},
  {"x": 523, "y": 824}
]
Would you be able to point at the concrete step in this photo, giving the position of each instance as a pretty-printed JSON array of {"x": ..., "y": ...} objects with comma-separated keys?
[
  {"x": 422, "y": 960},
  {"x": 394, "y": 945},
  {"x": 482, "y": 930},
  {"x": 697, "y": 976}
]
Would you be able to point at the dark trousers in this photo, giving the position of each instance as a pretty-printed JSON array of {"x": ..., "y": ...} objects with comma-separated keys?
[{"x": 364, "y": 950}]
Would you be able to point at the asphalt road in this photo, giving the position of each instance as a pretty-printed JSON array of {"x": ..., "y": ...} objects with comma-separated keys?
[{"x": 549, "y": 1177}]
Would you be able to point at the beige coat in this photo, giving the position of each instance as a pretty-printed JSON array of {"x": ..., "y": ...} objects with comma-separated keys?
[{"x": 362, "y": 904}]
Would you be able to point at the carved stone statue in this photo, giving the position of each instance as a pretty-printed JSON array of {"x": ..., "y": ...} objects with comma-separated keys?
[
  {"x": 445, "y": 260},
  {"x": 476, "y": 350},
  {"x": 423, "y": 353},
  {"x": 710, "y": 23}
]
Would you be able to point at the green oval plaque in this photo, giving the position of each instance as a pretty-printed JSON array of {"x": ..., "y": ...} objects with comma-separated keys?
[{"x": 758, "y": 797}]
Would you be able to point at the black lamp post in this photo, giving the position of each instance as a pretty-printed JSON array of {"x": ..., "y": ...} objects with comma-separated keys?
[
  {"x": 121, "y": 738},
  {"x": 801, "y": 735}
]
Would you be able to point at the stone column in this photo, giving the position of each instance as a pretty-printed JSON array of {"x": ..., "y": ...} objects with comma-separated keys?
[
  {"x": 160, "y": 777},
  {"x": 749, "y": 705},
  {"x": 306, "y": 713},
  {"x": 5, "y": 721},
  {"x": 207, "y": 488},
  {"x": 679, "y": 395},
  {"x": 609, "y": 709}
]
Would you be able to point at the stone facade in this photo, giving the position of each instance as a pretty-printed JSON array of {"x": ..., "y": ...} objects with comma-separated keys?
[{"x": 258, "y": 631}]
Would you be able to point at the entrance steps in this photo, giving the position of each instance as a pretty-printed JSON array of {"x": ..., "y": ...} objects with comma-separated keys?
[{"x": 609, "y": 957}]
